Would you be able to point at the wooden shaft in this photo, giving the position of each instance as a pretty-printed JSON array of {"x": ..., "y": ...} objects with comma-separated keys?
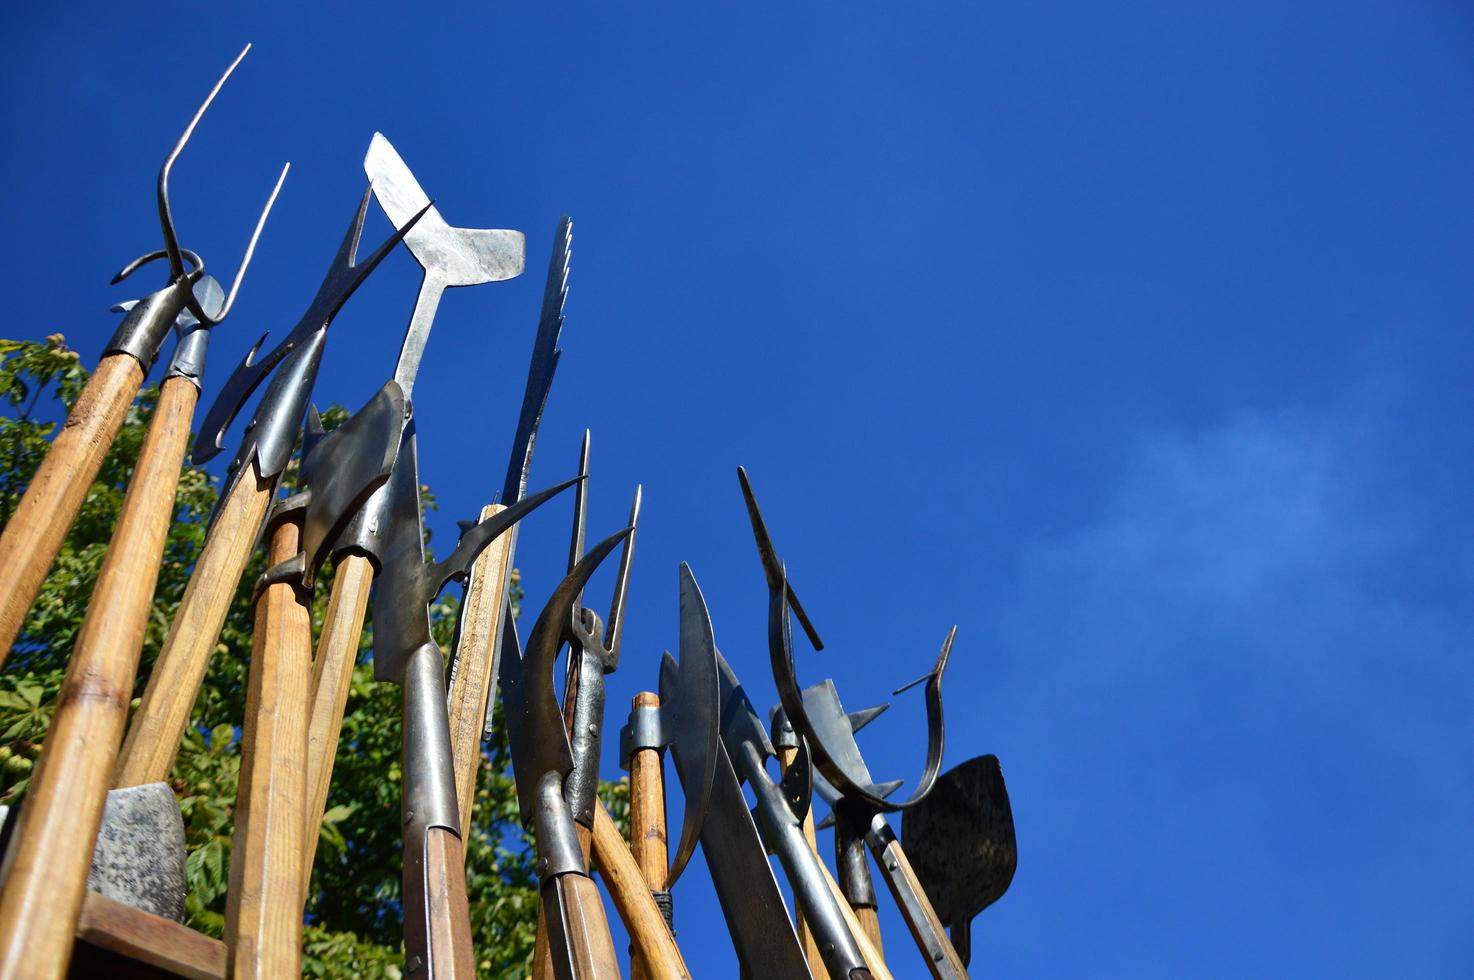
[
  {"x": 587, "y": 929},
  {"x": 263, "y": 911},
  {"x": 873, "y": 959},
  {"x": 168, "y": 700},
  {"x": 655, "y": 953},
  {"x": 45, "y": 878},
  {"x": 332, "y": 676},
  {"x": 648, "y": 842},
  {"x": 451, "y": 953},
  {"x": 896, "y": 864},
  {"x": 470, "y": 687},
  {"x": 869, "y": 920},
  {"x": 805, "y": 935},
  {"x": 46, "y": 510}
]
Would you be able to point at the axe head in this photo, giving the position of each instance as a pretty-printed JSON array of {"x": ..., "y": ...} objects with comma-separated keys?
[
  {"x": 139, "y": 856},
  {"x": 459, "y": 256}
]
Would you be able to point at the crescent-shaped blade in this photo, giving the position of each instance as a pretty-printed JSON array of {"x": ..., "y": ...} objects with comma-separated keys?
[{"x": 695, "y": 716}]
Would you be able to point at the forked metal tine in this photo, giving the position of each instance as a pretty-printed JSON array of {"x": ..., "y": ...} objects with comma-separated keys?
[
  {"x": 580, "y": 515},
  {"x": 176, "y": 255},
  {"x": 614, "y": 625}
]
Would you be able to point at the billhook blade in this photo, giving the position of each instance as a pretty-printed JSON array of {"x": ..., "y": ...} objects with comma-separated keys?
[{"x": 770, "y": 557}]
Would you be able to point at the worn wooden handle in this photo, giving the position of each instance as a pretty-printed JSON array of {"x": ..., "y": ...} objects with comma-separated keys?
[
  {"x": 869, "y": 920},
  {"x": 587, "y": 929},
  {"x": 52, "y": 847},
  {"x": 916, "y": 909},
  {"x": 332, "y": 676},
  {"x": 806, "y": 935},
  {"x": 158, "y": 725},
  {"x": 655, "y": 950},
  {"x": 263, "y": 911},
  {"x": 45, "y": 513},
  {"x": 648, "y": 842},
  {"x": 873, "y": 958},
  {"x": 475, "y": 674},
  {"x": 451, "y": 954}
]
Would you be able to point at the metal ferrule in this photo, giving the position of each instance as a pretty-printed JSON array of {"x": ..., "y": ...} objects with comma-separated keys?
[
  {"x": 558, "y": 850},
  {"x": 428, "y": 798},
  {"x": 784, "y": 737},
  {"x": 785, "y": 837},
  {"x": 644, "y": 730},
  {"x": 144, "y": 328},
  {"x": 581, "y": 787},
  {"x": 367, "y": 532},
  {"x": 849, "y": 857},
  {"x": 188, "y": 361}
]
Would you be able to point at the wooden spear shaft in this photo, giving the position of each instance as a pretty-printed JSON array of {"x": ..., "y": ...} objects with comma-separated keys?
[
  {"x": 153, "y": 738},
  {"x": 263, "y": 911},
  {"x": 46, "y": 880},
  {"x": 475, "y": 672},
  {"x": 40, "y": 523},
  {"x": 332, "y": 676}
]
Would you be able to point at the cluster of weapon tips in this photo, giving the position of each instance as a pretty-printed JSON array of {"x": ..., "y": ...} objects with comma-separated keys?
[{"x": 99, "y": 837}]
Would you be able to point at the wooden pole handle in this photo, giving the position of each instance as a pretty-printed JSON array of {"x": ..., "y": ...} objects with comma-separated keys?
[
  {"x": 806, "y": 936},
  {"x": 46, "y": 510},
  {"x": 655, "y": 951},
  {"x": 916, "y": 909},
  {"x": 51, "y": 852},
  {"x": 452, "y": 956},
  {"x": 869, "y": 920},
  {"x": 174, "y": 684},
  {"x": 263, "y": 912},
  {"x": 873, "y": 959},
  {"x": 332, "y": 676},
  {"x": 586, "y": 928},
  {"x": 475, "y": 676},
  {"x": 648, "y": 841}
]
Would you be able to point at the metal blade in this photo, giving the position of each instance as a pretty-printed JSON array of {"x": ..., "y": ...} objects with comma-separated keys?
[{"x": 695, "y": 715}]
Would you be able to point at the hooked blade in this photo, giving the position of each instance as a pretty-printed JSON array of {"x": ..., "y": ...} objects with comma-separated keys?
[{"x": 534, "y": 717}]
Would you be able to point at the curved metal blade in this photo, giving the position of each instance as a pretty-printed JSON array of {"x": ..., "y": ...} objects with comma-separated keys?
[
  {"x": 695, "y": 714},
  {"x": 534, "y": 716},
  {"x": 344, "y": 467}
]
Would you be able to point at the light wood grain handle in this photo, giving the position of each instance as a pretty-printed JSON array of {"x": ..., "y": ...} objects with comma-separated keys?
[
  {"x": 475, "y": 674},
  {"x": 51, "y": 851},
  {"x": 870, "y": 924},
  {"x": 46, "y": 510},
  {"x": 926, "y": 929},
  {"x": 173, "y": 685},
  {"x": 452, "y": 956},
  {"x": 587, "y": 929},
  {"x": 874, "y": 961},
  {"x": 263, "y": 911},
  {"x": 654, "y": 948},
  {"x": 332, "y": 677},
  {"x": 786, "y": 755},
  {"x": 648, "y": 842}
]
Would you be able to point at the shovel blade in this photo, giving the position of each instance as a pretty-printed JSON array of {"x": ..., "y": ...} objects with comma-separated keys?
[{"x": 960, "y": 841}]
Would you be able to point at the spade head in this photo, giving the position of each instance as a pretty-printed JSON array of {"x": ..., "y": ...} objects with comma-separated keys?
[{"x": 960, "y": 842}]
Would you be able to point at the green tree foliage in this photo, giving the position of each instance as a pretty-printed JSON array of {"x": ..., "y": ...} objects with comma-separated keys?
[{"x": 353, "y": 908}]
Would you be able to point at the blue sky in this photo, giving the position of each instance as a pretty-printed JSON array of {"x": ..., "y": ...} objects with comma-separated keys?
[{"x": 1132, "y": 340}]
